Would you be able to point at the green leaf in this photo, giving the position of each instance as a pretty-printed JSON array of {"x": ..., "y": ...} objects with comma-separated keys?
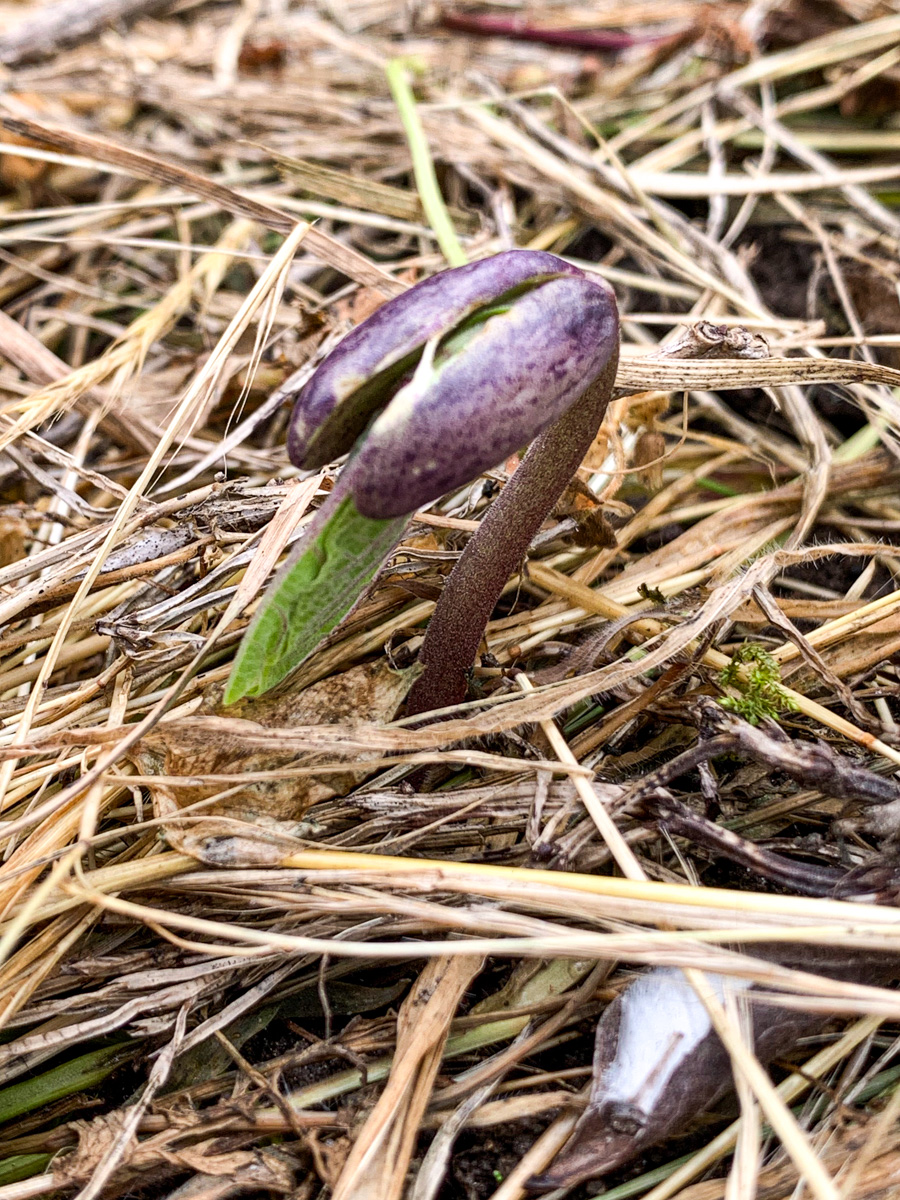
[
  {"x": 22, "y": 1166},
  {"x": 310, "y": 596},
  {"x": 69, "y": 1077}
]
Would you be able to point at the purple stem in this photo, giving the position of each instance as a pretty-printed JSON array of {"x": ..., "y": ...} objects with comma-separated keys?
[
  {"x": 482, "y": 25},
  {"x": 497, "y": 549}
]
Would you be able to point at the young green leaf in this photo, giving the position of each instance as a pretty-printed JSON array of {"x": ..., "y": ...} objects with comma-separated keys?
[{"x": 313, "y": 592}]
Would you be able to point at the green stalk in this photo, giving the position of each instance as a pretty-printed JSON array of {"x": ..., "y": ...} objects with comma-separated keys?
[{"x": 436, "y": 213}]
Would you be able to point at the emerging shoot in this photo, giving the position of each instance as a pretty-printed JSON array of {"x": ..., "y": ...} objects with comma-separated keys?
[{"x": 439, "y": 385}]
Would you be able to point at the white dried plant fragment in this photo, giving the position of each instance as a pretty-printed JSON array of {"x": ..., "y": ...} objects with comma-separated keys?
[{"x": 662, "y": 1023}]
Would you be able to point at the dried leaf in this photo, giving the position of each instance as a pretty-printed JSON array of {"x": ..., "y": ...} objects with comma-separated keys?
[{"x": 214, "y": 745}]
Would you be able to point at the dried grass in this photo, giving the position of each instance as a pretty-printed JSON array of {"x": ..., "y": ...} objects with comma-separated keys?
[{"x": 196, "y": 207}]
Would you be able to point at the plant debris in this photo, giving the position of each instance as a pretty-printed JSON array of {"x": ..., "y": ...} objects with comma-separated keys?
[{"x": 312, "y": 940}]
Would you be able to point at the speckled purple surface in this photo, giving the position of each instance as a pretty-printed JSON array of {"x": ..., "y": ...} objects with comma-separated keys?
[
  {"x": 518, "y": 374},
  {"x": 324, "y": 424}
]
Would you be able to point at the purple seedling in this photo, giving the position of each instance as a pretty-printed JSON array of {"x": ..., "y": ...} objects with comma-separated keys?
[{"x": 439, "y": 385}]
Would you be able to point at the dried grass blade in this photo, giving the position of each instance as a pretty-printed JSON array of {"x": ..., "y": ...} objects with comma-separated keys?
[
  {"x": 378, "y": 1162},
  {"x": 618, "y": 847},
  {"x": 789, "y": 1089},
  {"x": 604, "y": 205},
  {"x": 638, "y": 374},
  {"x": 778, "y": 1114},
  {"x": 148, "y": 166},
  {"x": 357, "y": 191},
  {"x": 67, "y": 21},
  {"x": 188, "y": 405}
]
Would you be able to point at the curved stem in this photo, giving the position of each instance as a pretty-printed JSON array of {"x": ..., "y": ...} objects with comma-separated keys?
[{"x": 495, "y": 551}]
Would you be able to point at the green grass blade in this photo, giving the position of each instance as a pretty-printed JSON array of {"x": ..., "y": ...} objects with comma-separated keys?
[
  {"x": 22, "y": 1166},
  {"x": 311, "y": 595},
  {"x": 64, "y": 1080},
  {"x": 436, "y": 213}
]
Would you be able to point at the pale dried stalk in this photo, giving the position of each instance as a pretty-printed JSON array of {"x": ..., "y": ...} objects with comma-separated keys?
[
  {"x": 778, "y": 1114},
  {"x": 789, "y": 1089},
  {"x": 377, "y": 1165},
  {"x": 606, "y": 826},
  {"x": 273, "y": 277}
]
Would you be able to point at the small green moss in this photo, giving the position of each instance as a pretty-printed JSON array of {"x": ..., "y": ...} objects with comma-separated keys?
[{"x": 762, "y": 693}]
